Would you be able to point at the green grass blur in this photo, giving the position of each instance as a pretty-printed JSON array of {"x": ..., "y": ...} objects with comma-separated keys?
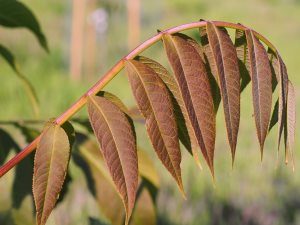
[{"x": 253, "y": 192}]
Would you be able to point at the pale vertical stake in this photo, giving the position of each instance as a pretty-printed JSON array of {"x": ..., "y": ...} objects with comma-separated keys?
[
  {"x": 76, "y": 48},
  {"x": 133, "y": 14},
  {"x": 90, "y": 44}
]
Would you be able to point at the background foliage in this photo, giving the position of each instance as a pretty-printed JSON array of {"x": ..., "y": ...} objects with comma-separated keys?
[{"x": 252, "y": 193}]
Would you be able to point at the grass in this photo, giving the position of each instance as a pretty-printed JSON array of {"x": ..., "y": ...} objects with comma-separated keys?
[{"x": 255, "y": 190}]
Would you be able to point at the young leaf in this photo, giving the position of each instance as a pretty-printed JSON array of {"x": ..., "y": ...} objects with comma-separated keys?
[
  {"x": 261, "y": 86},
  {"x": 185, "y": 128},
  {"x": 50, "y": 167},
  {"x": 115, "y": 100},
  {"x": 208, "y": 56},
  {"x": 291, "y": 120},
  {"x": 191, "y": 77},
  {"x": 226, "y": 61},
  {"x": 15, "y": 14},
  {"x": 117, "y": 142},
  {"x": 172, "y": 88},
  {"x": 212, "y": 80},
  {"x": 280, "y": 71},
  {"x": 155, "y": 104},
  {"x": 70, "y": 131}
]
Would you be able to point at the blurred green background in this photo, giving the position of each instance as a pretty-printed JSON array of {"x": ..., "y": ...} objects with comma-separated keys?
[{"x": 253, "y": 192}]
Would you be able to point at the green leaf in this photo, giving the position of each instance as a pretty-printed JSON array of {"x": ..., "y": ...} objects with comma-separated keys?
[
  {"x": 7, "y": 143},
  {"x": 9, "y": 57},
  {"x": 243, "y": 58},
  {"x": 83, "y": 143},
  {"x": 93, "y": 221},
  {"x": 15, "y": 14},
  {"x": 22, "y": 185},
  {"x": 274, "y": 118},
  {"x": 274, "y": 66},
  {"x": 30, "y": 91}
]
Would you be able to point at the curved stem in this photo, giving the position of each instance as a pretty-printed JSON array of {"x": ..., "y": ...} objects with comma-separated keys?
[{"x": 111, "y": 74}]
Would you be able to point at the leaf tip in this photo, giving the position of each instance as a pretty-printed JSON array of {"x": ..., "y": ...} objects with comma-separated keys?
[
  {"x": 293, "y": 167},
  {"x": 181, "y": 188},
  {"x": 127, "y": 216},
  {"x": 261, "y": 154},
  {"x": 232, "y": 158},
  {"x": 199, "y": 165},
  {"x": 212, "y": 172},
  {"x": 183, "y": 194},
  {"x": 214, "y": 183},
  {"x": 286, "y": 161},
  {"x": 197, "y": 161}
]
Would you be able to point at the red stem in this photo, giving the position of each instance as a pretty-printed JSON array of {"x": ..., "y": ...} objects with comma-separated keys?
[{"x": 111, "y": 74}]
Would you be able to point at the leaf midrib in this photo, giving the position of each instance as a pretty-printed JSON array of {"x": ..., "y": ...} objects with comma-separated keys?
[
  {"x": 137, "y": 72},
  {"x": 110, "y": 129},
  {"x": 224, "y": 80},
  {"x": 49, "y": 171},
  {"x": 257, "y": 82},
  {"x": 185, "y": 105}
]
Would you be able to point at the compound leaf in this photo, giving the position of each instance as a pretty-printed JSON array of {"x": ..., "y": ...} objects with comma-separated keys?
[{"x": 15, "y": 14}]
